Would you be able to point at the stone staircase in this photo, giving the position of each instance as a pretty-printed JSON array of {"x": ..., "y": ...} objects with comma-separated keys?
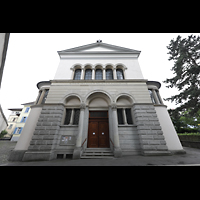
[{"x": 97, "y": 153}]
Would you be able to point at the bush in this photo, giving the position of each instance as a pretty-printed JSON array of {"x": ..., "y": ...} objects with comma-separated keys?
[
  {"x": 4, "y": 132},
  {"x": 188, "y": 130},
  {"x": 198, "y": 134}
]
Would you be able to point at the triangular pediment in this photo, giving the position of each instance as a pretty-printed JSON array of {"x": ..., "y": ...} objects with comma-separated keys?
[{"x": 99, "y": 47}]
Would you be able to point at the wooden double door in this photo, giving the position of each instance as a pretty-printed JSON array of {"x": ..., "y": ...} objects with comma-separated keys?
[{"x": 98, "y": 130}]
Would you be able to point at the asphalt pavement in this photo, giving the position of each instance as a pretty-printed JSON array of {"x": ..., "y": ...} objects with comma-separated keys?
[{"x": 191, "y": 158}]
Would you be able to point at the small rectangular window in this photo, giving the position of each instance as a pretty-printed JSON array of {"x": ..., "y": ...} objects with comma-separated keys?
[
  {"x": 120, "y": 116},
  {"x": 27, "y": 109},
  {"x": 128, "y": 116},
  {"x": 76, "y": 116},
  {"x": 10, "y": 127},
  {"x": 23, "y": 120},
  {"x": 68, "y": 116}
]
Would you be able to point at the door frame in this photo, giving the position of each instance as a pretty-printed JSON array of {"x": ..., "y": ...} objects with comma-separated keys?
[{"x": 98, "y": 119}]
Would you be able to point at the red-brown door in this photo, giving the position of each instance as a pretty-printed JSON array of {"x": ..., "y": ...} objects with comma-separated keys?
[
  {"x": 93, "y": 135},
  {"x": 98, "y": 132},
  {"x": 103, "y": 135}
]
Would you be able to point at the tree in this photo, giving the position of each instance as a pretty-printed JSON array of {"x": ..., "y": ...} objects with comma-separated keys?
[{"x": 186, "y": 55}]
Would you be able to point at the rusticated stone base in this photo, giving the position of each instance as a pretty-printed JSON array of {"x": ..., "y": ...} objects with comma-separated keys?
[
  {"x": 45, "y": 135},
  {"x": 150, "y": 133}
]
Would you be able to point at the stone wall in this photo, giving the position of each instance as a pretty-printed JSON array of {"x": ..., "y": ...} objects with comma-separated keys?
[
  {"x": 45, "y": 136},
  {"x": 150, "y": 132}
]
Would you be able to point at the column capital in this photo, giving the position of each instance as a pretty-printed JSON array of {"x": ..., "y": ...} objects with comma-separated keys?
[
  {"x": 82, "y": 106},
  {"x": 113, "y": 106}
]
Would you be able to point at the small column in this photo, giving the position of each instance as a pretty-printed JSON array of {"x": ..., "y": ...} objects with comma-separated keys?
[
  {"x": 124, "y": 116},
  {"x": 82, "y": 73},
  {"x": 38, "y": 97},
  {"x": 158, "y": 93},
  {"x": 104, "y": 73},
  {"x": 93, "y": 74},
  {"x": 77, "y": 150},
  {"x": 117, "y": 149},
  {"x": 72, "y": 117},
  {"x": 114, "y": 73},
  {"x": 41, "y": 97},
  {"x": 155, "y": 96}
]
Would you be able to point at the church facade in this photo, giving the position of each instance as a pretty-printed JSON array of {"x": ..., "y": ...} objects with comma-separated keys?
[{"x": 97, "y": 105}]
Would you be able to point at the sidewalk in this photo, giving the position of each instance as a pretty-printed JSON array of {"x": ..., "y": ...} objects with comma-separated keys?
[{"x": 191, "y": 158}]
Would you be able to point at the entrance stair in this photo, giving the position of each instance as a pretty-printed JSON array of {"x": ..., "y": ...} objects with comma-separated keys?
[{"x": 97, "y": 153}]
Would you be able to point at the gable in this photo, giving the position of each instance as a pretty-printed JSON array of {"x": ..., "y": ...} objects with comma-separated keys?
[{"x": 99, "y": 47}]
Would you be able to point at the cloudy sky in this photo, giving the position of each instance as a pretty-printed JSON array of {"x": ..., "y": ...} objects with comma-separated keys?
[{"x": 33, "y": 57}]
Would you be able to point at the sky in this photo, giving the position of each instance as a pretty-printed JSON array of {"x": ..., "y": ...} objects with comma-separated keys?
[{"x": 33, "y": 57}]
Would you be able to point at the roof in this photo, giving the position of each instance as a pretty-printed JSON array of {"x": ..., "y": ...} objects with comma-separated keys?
[
  {"x": 30, "y": 103},
  {"x": 43, "y": 83},
  {"x": 15, "y": 109},
  {"x": 99, "y": 47},
  {"x": 156, "y": 83}
]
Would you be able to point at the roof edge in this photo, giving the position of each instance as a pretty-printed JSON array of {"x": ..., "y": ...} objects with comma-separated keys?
[{"x": 41, "y": 83}]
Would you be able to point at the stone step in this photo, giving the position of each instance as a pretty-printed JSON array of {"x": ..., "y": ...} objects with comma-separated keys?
[
  {"x": 156, "y": 153},
  {"x": 97, "y": 153},
  {"x": 96, "y": 157},
  {"x": 97, "y": 150}
]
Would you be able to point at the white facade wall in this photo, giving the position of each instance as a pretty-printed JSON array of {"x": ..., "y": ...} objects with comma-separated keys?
[
  {"x": 169, "y": 132},
  {"x": 133, "y": 70}
]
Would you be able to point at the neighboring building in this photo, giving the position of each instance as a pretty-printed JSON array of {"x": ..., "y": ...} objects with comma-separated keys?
[
  {"x": 4, "y": 38},
  {"x": 21, "y": 121},
  {"x": 98, "y": 104},
  {"x": 12, "y": 121}
]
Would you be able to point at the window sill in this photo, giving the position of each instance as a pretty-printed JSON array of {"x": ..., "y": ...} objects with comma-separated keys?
[
  {"x": 127, "y": 125},
  {"x": 68, "y": 126}
]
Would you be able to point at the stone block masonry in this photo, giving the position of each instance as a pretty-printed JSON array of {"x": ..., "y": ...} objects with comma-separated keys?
[
  {"x": 45, "y": 136},
  {"x": 150, "y": 132}
]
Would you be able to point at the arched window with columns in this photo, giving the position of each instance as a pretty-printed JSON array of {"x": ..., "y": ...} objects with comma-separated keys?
[
  {"x": 109, "y": 74},
  {"x": 88, "y": 74},
  {"x": 120, "y": 74},
  {"x": 98, "y": 74},
  {"x": 77, "y": 74}
]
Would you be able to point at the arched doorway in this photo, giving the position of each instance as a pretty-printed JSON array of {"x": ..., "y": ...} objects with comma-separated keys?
[{"x": 98, "y": 126}]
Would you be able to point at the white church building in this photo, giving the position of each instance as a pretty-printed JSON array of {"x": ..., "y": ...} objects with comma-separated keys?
[{"x": 97, "y": 106}]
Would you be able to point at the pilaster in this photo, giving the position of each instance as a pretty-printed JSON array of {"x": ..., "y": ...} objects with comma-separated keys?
[
  {"x": 117, "y": 149},
  {"x": 77, "y": 150}
]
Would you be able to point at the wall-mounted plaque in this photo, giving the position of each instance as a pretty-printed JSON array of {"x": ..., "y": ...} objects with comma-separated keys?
[{"x": 67, "y": 140}]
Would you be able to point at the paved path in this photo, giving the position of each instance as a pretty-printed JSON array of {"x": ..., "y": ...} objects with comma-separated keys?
[
  {"x": 191, "y": 158},
  {"x": 5, "y": 147}
]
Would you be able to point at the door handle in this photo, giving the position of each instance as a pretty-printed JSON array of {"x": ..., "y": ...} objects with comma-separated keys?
[{"x": 102, "y": 133}]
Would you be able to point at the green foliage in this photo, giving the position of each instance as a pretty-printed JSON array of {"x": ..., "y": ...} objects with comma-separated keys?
[
  {"x": 186, "y": 56},
  {"x": 198, "y": 134},
  {"x": 4, "y": 132},
  {"x": 183, "y": 122}
]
